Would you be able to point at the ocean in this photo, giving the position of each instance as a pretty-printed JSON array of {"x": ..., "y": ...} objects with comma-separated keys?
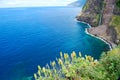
[{"x": 35, "y": 36}]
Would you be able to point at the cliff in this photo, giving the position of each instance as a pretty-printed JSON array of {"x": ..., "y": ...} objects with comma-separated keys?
[
  {"x": 104, "y": 17},
  {"x": 91, "y": 12}
]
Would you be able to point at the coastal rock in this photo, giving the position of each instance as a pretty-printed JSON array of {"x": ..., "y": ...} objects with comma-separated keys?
[
  {"x": 98, "y": 13},
  {"x": 105, "y": 33},
  {"x": 91, "y": 12}
]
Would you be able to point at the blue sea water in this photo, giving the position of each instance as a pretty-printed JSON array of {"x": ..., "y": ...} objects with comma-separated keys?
[{"x": 35, "y": 36}]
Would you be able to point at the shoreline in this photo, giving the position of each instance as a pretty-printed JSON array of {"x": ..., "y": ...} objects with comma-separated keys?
[
  {"x": 98, "y": 37},
  {"x": 103, "y": 31}
]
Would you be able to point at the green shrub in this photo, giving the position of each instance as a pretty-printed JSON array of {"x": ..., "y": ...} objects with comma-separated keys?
[
  {"x": 111, "y": 63},
  {"x": 118, "y": 3},
  {"x": 82, "y": 68}
]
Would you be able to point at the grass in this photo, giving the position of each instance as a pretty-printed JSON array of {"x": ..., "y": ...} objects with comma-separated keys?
[
  {"x": 115, "y": 22},
  {"x": 86, "y": 6},
  {"x": 97, "y": 17}
]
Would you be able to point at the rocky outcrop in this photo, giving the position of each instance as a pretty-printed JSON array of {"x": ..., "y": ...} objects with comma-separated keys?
[
  {"x": 91, "y": 12},
  {"x": 105, "y": 9}
]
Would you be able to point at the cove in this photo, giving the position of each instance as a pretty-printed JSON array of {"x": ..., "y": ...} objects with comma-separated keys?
[{"x": 35, "y": 36}]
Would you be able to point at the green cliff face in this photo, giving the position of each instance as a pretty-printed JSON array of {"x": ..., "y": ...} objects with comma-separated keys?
[
  {"x": 91, "y": 12},
  {"x": 115, "y": 21},
  {"x": 103, "y": 12}
]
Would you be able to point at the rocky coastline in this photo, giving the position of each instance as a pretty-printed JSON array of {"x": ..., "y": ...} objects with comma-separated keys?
[{"x": 98, "y": 14}]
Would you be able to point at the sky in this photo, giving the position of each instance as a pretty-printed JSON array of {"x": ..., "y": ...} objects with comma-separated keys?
[{"x": 24, "y": 3}]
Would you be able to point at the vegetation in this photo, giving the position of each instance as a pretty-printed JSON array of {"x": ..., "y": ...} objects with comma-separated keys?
[
  {"x": 92, "y": 12},
  {"x": 117, "y": 8},
  {"x": 86, "y": 6},
  {"x": 82, "y": 68},
  {"x": 97, "y": 19},
  {"x": 116, "y": 24},
  {"x": 118, "y": 3}
]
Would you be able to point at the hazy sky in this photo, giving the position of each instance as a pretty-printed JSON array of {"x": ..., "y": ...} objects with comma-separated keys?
[{"x": 19, "y": 3}]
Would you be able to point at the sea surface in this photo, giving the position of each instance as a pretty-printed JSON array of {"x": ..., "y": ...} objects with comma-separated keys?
[{"x": 35, "y": 36}]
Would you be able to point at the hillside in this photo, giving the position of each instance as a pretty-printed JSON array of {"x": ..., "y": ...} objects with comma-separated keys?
[
  {"x": 91, "y": 12},
  {"x": 104, "y": 17},
  {"x": 115, "y": 22}
]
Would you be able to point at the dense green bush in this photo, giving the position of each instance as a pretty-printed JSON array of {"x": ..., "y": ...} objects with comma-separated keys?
[
  {"x": 82, "y": 68},
  {"x": 118, "y": 3},
  {"x": 111, "y": 63}
]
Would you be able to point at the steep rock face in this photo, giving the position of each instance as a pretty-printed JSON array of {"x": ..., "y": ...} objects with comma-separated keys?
[
  {"x": 108, "y": 11},
  {"x": 101, "y": 15},
  {"x": 91, "y": 12},
  {"x": 115, "y": 22}
]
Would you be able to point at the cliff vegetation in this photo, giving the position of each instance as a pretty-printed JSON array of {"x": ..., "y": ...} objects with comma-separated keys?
[
  {"x": 76, "y": 67},
  {"x": 115, "y": 21},
  {"x": 91, "y": 12}
]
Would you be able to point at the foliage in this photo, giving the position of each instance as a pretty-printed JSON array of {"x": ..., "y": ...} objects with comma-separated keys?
[
  {"x": 82, "y": 68},
  {"x": 97, "y": 19},
  {"x": 118, "y": 3},
  {"x": 116, "y": 24},
  {"x": 111, "y": 63},
  {"x": 86, "y": 6}
]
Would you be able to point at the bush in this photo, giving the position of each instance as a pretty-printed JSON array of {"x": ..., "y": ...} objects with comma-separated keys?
[
  {"x": 82, "y": 68},
  {"x": 118, "y": 3},
  {"x": 111, "y": 63}
]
